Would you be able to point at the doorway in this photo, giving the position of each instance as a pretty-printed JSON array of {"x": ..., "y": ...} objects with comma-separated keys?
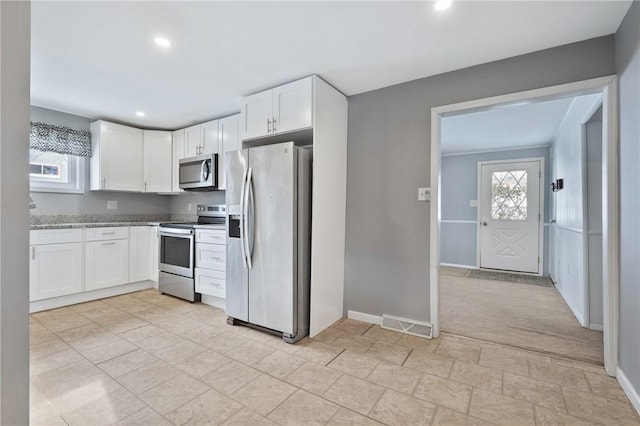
[
  {"x": 605, "y": 86},
  {"x": 509, "y": 214}
]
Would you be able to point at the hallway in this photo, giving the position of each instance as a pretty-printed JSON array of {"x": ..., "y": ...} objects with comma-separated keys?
[{"x": 521, "y": 315}]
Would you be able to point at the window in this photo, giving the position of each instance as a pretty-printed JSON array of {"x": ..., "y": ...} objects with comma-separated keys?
[
  {"x": 53, "y": 172},
  {"x": 509, "y": 195}
]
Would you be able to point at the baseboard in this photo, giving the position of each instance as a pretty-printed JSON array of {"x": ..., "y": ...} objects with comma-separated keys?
[
  {"x": 455, "y": 265},
  {"x": 628, "y": 389},
  {"x": 87, "y": 296},
  {"x": 596, "y": 327},
  {"x": 575, "y": 312},
  {"x": 360, "y": 316},
  {"x": 218, "y": 302}
]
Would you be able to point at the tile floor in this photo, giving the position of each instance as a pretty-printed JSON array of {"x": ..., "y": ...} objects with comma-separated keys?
[{"x": 149, "y": 359}]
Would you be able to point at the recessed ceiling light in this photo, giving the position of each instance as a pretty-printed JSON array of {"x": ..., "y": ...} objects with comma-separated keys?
[
  {"x": 162, "y": 42},
  {"x": 140, "y": 113},
  {"x": 442, "y": 5}
]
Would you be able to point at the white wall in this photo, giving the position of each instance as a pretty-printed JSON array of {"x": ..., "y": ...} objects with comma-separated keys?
[
  {"x": 14, "y": 212},
  {"x": 567, "y": 235}
]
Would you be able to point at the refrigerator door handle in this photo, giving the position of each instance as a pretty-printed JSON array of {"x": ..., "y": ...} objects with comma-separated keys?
[
  {"x": 248, "y": 194},
  {"x": 243, "y": 219}
]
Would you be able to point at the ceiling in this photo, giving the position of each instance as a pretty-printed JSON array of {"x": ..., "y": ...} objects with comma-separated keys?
[
  {"x": 507, "y": 127},
  {"x": 98, "y": 59}
]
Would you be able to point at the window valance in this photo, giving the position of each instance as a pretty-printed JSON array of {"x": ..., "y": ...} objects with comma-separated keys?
[{"x": 63, "y": 140}]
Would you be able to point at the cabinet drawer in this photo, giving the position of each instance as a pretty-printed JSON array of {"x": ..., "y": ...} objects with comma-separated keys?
[
  {"x": 55, "y": 236},
  {"x": 212, "y": 236},
  {"x": 107, "y": 233},
  {"x": 212, "y": 283},
  {"x": 211, "y": 256}
]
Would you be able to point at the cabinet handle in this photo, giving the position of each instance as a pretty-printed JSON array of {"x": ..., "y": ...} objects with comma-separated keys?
[
  {"x": 108, "y": 244},
  {"x": 33, "y": 253},
  {"x": 268, "y": 125},
  {"x": 145, "y": 186},
  {"x": 104, "y": 182},
  {"x": 274, "y": 124},
  {"x": 108, "y": 233}
]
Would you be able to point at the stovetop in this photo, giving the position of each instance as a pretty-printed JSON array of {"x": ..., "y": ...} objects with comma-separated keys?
[{"x": 208, "y": 215}]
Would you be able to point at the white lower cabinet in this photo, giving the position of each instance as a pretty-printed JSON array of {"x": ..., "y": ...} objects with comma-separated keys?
[
  {"x": 106, "y": 263},
  {"x": 211, "y": 259},
  {"x": 211, "y": 282},
  {"x": 55, "y": 270},
  {"x": 140, "y": 253}
]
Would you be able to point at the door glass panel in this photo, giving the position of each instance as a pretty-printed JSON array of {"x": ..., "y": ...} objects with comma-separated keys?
[
  {"x": 175, "y": 251},
  {"x": 509, "y": 195}
]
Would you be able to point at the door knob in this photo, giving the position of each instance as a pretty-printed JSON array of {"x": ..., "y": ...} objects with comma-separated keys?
[{"x": 484, "y": 223}]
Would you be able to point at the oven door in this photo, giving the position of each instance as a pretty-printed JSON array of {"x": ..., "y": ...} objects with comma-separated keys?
[{"x": 177, "y": 251}]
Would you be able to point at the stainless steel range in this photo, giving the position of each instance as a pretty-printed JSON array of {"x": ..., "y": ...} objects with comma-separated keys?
[{"x": 177, "y": 252}]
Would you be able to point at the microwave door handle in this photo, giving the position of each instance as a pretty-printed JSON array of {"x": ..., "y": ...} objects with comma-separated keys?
[
  {"x": 246, "y": 218},
  {"x": 242, "y": 219},
  {"x": 204, "y": 171}
]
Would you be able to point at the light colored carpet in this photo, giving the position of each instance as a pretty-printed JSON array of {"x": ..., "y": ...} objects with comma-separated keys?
[{"x": 521, "y": 315}]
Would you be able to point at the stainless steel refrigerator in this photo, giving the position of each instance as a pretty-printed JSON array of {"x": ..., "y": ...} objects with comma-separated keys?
[{"x": 268, "y": 238}]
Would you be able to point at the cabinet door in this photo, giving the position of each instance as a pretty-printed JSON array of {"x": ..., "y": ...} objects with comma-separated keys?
[
  {"x": 209, "y": 282},
  {"x": 158, "y": 153},
  {"x": 256, "y": 115},
  {"x": 121, "y": 158},
  {"x": 106, "y": 263},
  {"x": 192, "y": 141},
  {"x": 155, "y": 254},
  {"x": 178, "y": 154},
  {"x": 293, "y": 106},
  {"x": 229, "y": 140},
  {"x": 140, "y": 253},
  {"x": 210, "y": 137},
  {"x": 55, "y": 270}
]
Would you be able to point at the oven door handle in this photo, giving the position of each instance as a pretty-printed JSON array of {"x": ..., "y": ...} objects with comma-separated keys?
[
  {"x": 243, "y": 218},
  {"x": 176, "y": 232}
]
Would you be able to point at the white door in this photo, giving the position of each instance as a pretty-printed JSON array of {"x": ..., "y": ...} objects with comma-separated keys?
[{"x": 510, "y": 216}]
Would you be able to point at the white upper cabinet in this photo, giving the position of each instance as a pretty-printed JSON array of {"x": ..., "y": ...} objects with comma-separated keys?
[
  {"x": 279, "y": 110},
  {"x": 158, "y": 155},
  {"x": 228, "y": 140},
  {"x": 192, "y": 141},
  {"x": 116, "y": 162},
  {"x": 256, "y": 115},
  {"x": 178, "y": 154},
  {"x": 210, "y": 138}
]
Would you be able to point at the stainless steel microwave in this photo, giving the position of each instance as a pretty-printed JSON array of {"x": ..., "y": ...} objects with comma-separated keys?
[{"x": 199, "y": 173}]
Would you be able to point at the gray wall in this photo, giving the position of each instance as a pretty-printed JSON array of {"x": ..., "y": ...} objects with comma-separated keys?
[
  {"x": 567, "y": 234},
  {"x": 459, "y": 175},
  {"x": 627, "y": 50},
  {"x": 387, "y": 239},
  {"x": 179, "y": 204},
  {"x": 90, "y": 202},
  {"x": 14, "y": 220}
]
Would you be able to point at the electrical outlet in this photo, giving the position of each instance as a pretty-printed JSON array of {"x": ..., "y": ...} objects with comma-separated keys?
[
  {"x": 112, "y": 205},
  {"x": 473, "y": 203},
  {"x": 424, "y": 194}
]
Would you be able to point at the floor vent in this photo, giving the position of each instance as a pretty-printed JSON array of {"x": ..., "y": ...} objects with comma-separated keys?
[{"x": 408, "y": 326}]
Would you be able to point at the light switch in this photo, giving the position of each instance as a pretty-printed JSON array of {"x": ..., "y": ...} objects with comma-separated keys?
[
  {"x": 424, "y": 194},
  {"x": 112, "y": 205},
  {"x": 473, "y": 203}
]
